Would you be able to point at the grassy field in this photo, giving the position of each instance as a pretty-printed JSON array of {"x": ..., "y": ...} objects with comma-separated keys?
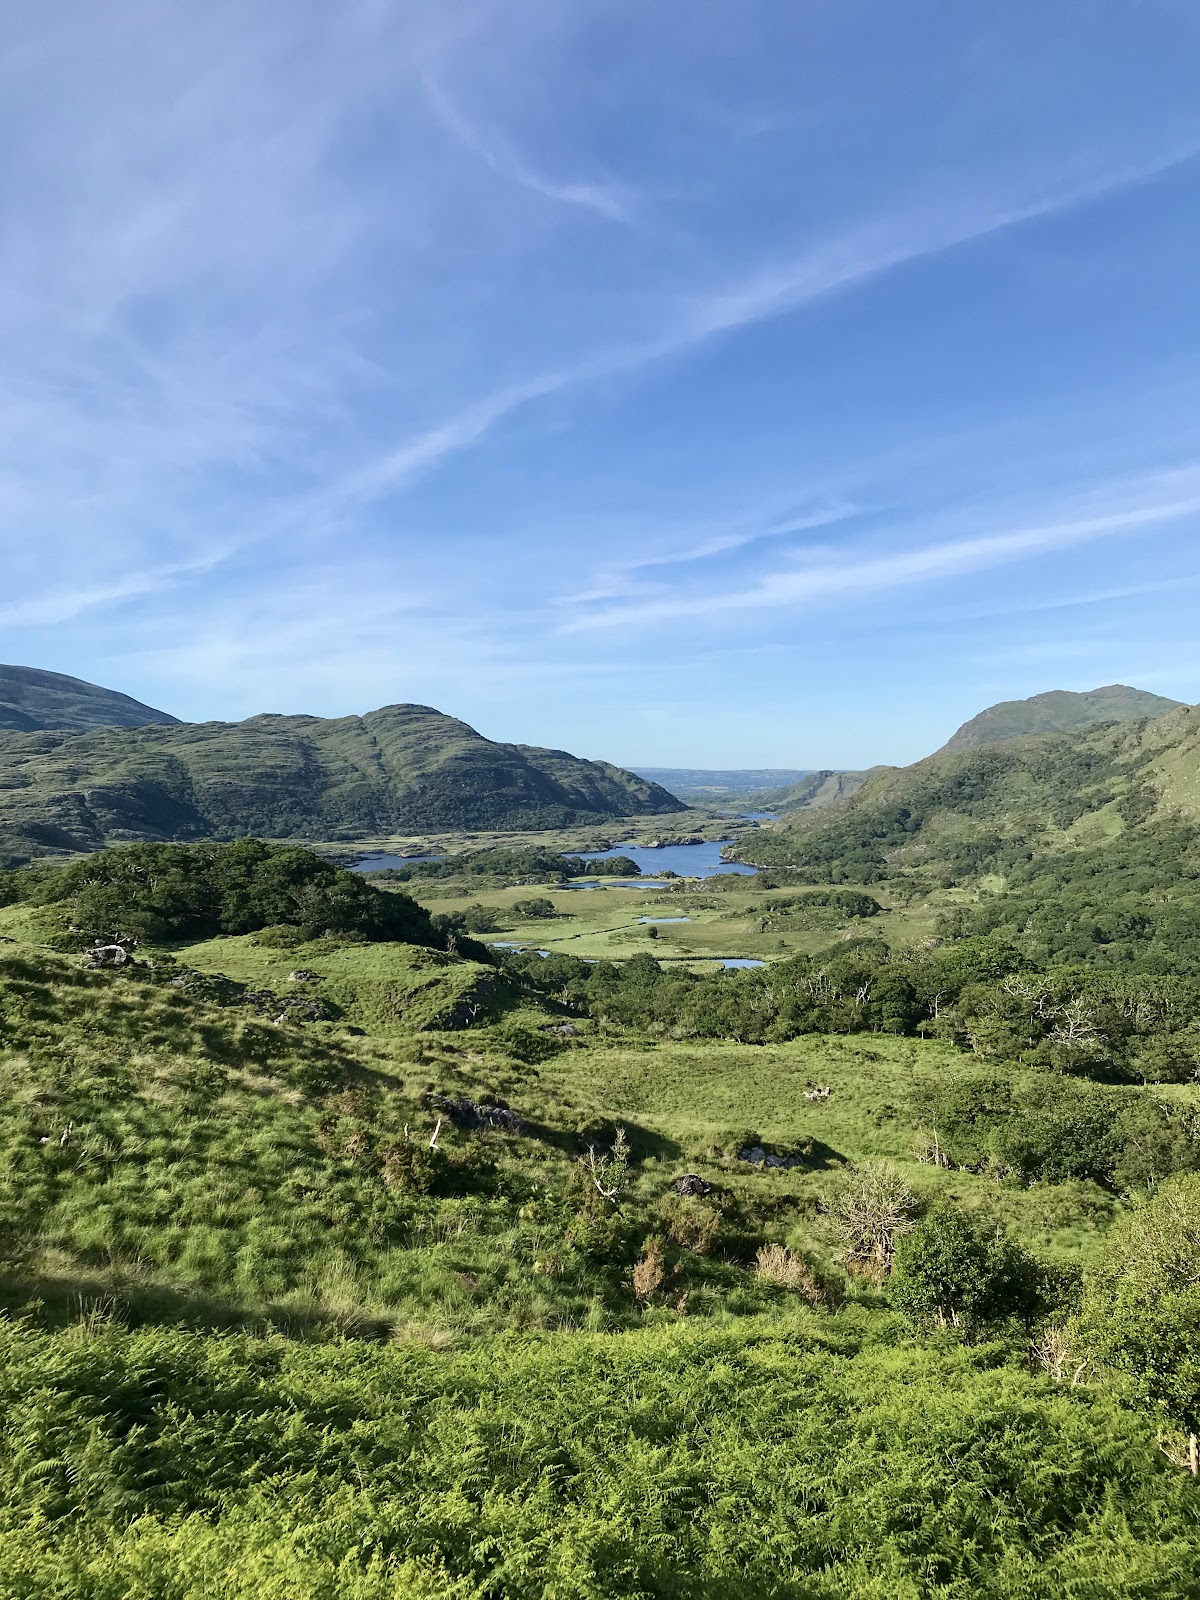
[
  {"x": 262, "y": 1341},
  {"x": 607, "y": 922}
]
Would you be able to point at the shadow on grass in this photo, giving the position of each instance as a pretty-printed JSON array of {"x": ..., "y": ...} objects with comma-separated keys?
[{"x": 58, "y": 1300}]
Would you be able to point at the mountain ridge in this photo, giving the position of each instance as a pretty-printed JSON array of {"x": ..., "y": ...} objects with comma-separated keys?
[
  {"x": 34, "y": 700},
  {"x": 399, "y": 769},
  {"x": 1058, "y": 711}
]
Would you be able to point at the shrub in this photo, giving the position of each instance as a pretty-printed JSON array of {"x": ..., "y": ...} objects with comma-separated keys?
[
  {"x": 777, "y": 1264},
  {"x": 649, "y": 1271},
  {"x": 537, "y": 909},
  {"x": 954, "y": 1270},
  {"x": 871, "y": 1208},
  {"x": 1141, "y": 1305}
]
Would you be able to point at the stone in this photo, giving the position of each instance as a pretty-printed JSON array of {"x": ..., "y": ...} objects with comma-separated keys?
[
  {"x": 108, "y": 955},
  {"x": 691, "y": 1183}
]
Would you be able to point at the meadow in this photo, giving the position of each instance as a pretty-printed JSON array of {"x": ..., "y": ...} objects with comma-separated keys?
[{"x": 369, "y": 1264}]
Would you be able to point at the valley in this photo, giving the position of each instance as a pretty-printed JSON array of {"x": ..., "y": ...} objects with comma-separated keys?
[{"x": 513, "y": 1221}]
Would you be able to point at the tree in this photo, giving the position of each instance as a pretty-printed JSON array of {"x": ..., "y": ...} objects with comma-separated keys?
[
  {"x": 872, "y": 1208},
  {"x": 1141, "y": 1305},
  {"x": 954, "y": 1270}
]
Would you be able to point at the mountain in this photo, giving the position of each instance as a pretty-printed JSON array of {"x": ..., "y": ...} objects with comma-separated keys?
[
  {"x": 402, "y": 769},
  {"x": 815, "y": 791},
  {"x": 988, "y": 807},
  {"x": 1059, "y": 711},
  {"x": 31, "y": 699}
]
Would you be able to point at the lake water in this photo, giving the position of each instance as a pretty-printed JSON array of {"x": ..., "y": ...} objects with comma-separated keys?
[
  {"x": 380, "y": 862},
  {"x": 741, "y": 962},
  {"x": 759, "y": 816},
  {"x": 688, "y": 860},
  {"x": 664, "y": 919}
]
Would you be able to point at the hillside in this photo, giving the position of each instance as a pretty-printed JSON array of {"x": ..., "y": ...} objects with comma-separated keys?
[
  {"x": 31, "y": 699},
  {"x": 1058, "y": 711},
  {"x": 1073, "y": 841},
  {"x": 402, "y": 769},
  {"x": 815, "y": 791},
  {"x": 356, "y": 1268}
]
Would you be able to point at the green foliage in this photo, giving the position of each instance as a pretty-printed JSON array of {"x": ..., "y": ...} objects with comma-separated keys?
[
  {"x": 535, "y": 909},
  {"x": 1141, "y": 1309},
  {"x": 513, "y": 864},
  {"x": 954, "y": 1270},
  {"x": 1042, "y": 1128},
  {"x": 159, "y": 1465},
  {"x": 402, "y": 769},
  {"x": 161, "y": 892}
]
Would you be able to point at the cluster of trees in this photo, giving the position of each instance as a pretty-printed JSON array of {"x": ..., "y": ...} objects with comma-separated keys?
[
  {"x": 163, "y": 892},
  {"x": 1042, "y": 1128},
  {"x": 1132, "y": 903},
  {"x": 981, "y": 993},
  {"x": 513, "y": 864}
]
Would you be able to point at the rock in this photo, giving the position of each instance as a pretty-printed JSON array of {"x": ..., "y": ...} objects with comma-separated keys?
[
  {"x": 691, "y": 1183},
  {"x": 753, "y": 1152},
  {"x": 467, "y": 1113},
  {"x": 566, "y": 1030},
  {"x": 302, "y": 975},
  {"x": 774, "y": 1161},
  {"x": 108, "y": 955}
]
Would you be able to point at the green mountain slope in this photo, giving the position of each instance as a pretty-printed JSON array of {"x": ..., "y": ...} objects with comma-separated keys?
[
  {"x": 402, "y": 769},
  {"x": 963, "y": 808},
  {"x": 1059, "y": 711},
  {"x": 1077, "y": 847},
  {"x": 815, "y": 791},
  {"x": 31, "y": 699}
]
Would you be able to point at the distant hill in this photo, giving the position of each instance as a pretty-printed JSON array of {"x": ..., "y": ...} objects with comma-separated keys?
[
  {"x": 987, "y": 807},
  {"x": 402, "y": 769},
  {"x": 31, "y": 699},
  {"x": 716, "y": 786},
  {"x": 1059, "y": 711},
  {"x": 815, "y": 791}
]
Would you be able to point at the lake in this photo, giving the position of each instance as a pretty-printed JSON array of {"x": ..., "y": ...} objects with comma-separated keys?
[
  {"x": 688, "y": 860},
  {"x": 383, "y": 860}
]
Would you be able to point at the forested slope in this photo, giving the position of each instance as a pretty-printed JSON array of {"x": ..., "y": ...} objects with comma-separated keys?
[{"x": 400, "y": 769}]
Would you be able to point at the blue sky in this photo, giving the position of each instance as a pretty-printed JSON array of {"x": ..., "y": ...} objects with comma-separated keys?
[{"x": 730, "y": 382}]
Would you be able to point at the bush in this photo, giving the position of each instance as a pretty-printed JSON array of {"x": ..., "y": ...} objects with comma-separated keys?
[
  {"x": 537, "y": 909},
  {"x": 954, "y": 1270},
  {"x": 777, "y": 1264},
  {"x": 158, "y": 892},
  {"x": 1141, "y": 1305}
]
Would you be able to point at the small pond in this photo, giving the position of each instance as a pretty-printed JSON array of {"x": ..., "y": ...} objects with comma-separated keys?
[
  {"x": 739, "y": 961},
  {"x": 664, "y": 919}
]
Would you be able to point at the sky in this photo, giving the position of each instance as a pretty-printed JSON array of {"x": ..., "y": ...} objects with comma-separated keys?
[{"x": 711, "y": 383}]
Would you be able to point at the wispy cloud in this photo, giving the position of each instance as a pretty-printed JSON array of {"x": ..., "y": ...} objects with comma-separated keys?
[
  {"x": 608, "y": 200},
  {"x": 859, "y": 572},
  {"x": 831, "y": 267},
  {"x": 67, "y": 604}
]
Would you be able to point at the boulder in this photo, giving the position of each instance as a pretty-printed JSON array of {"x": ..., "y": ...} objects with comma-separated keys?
[
  {"x": 691, "y": 1183},
  {"x": 108, "y": 955}
]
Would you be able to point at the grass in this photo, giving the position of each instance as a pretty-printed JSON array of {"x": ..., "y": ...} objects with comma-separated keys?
[
  {"x": 260, "y": 1344},
  {"x": 605, "y": 923}
]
